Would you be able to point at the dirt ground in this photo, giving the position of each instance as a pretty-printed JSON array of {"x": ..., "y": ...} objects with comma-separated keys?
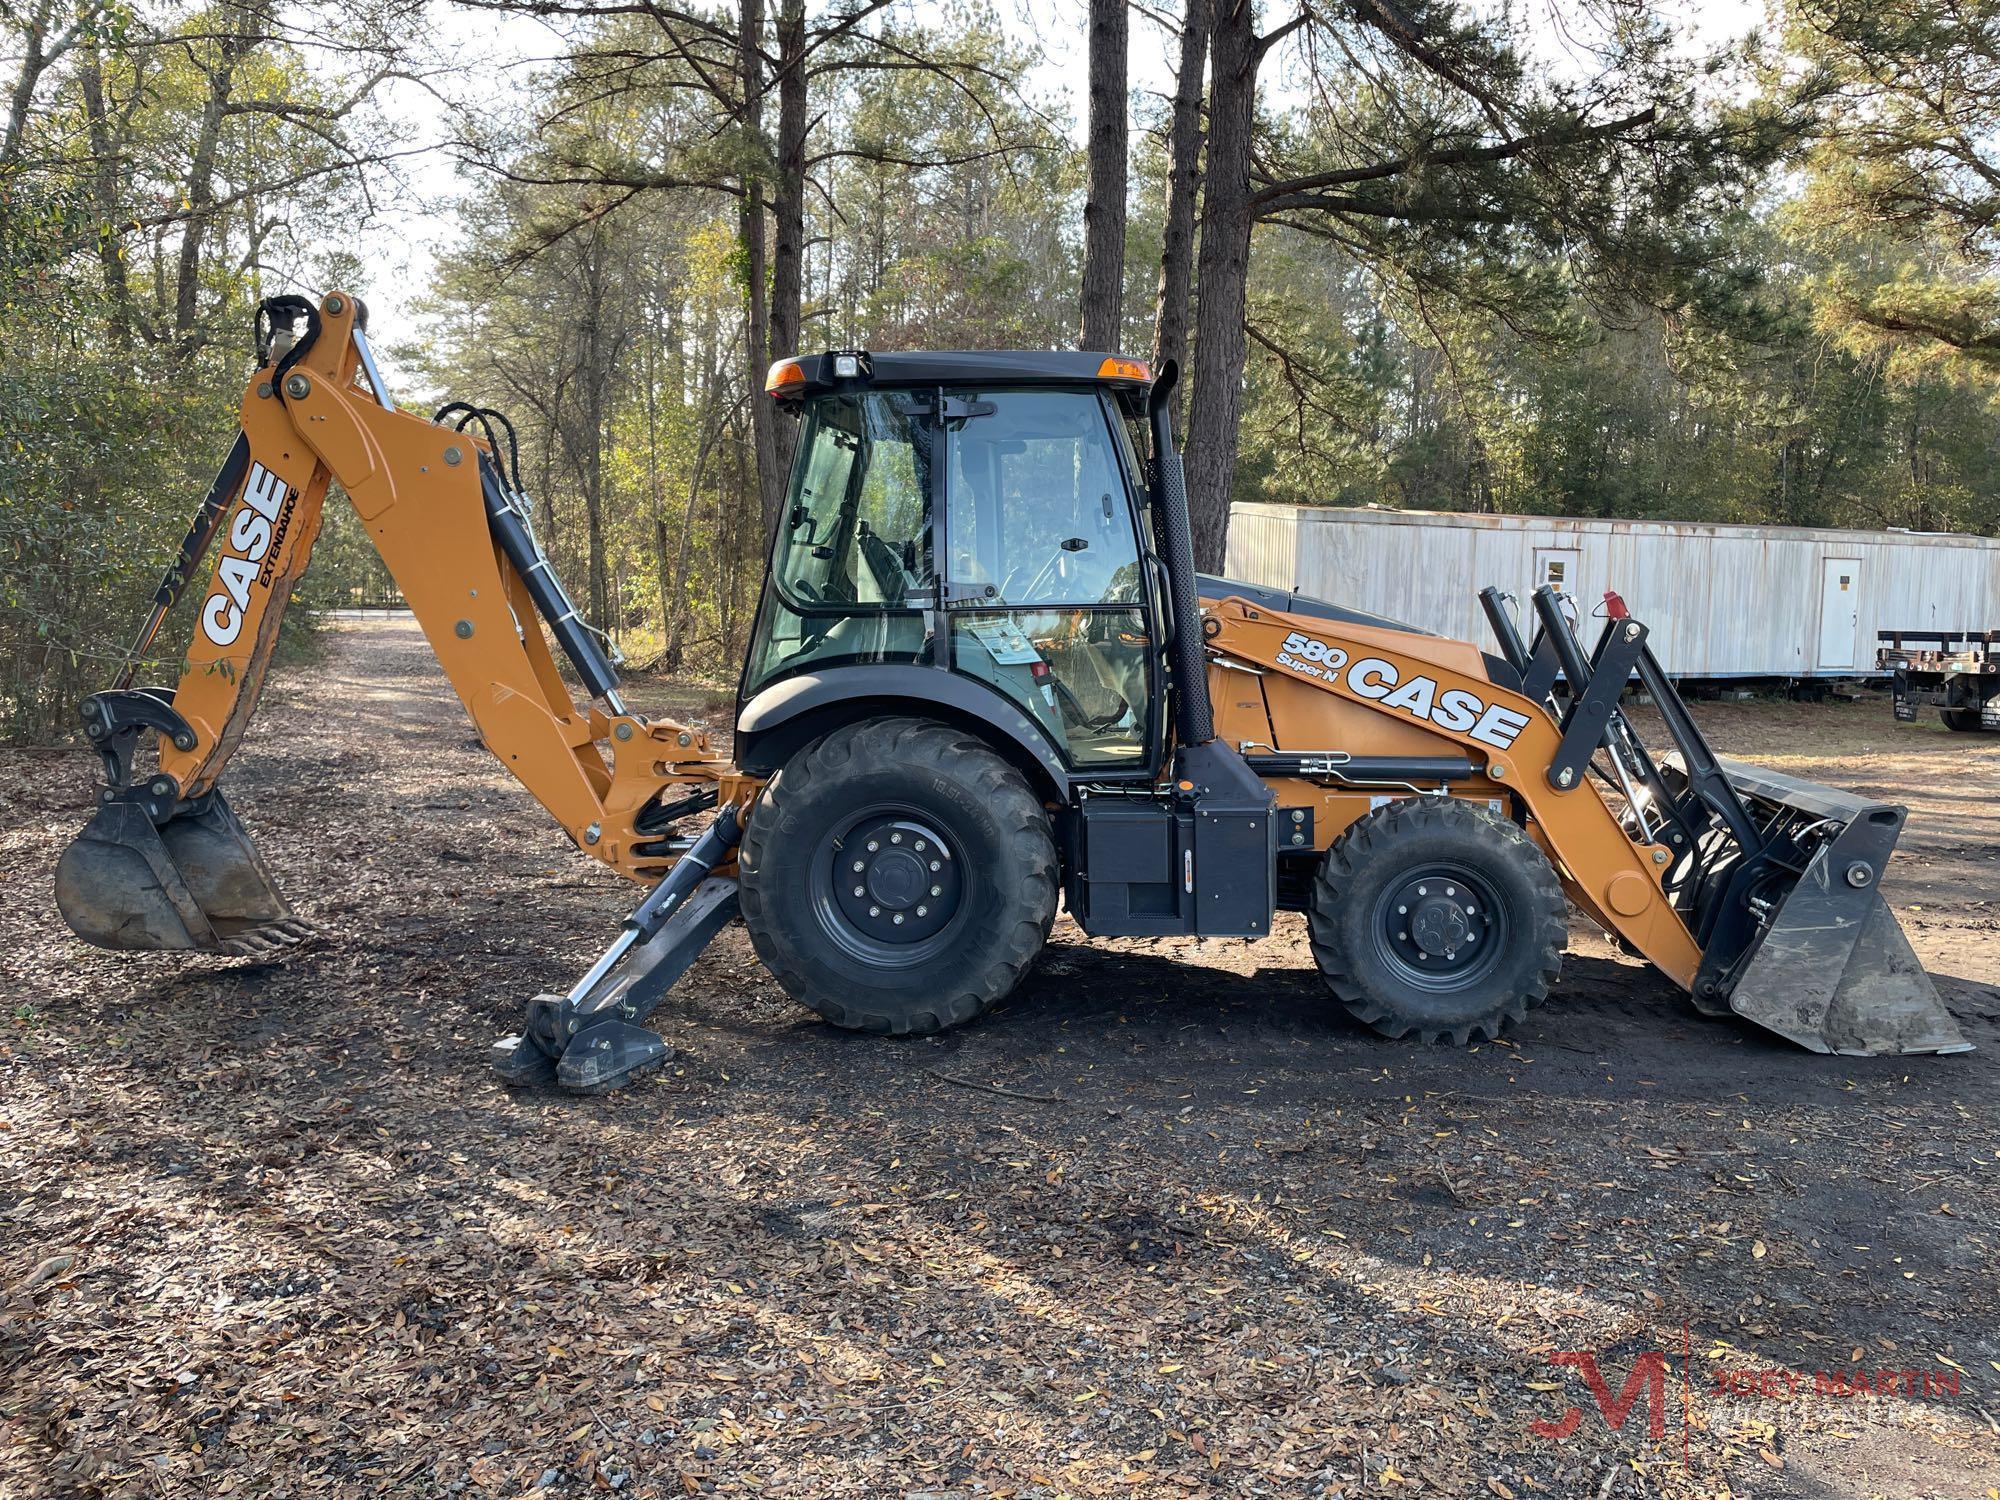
[{"x": 1165, "y": 1223}]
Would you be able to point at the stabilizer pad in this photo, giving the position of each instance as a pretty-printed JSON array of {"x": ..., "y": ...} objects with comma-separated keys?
[{"x": 610, "y": 1054}]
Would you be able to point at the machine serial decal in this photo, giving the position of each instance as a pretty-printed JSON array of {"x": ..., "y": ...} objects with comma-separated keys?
[
  {"x": 1371, "y": 677},
  {"x": 265, "y": 516}
]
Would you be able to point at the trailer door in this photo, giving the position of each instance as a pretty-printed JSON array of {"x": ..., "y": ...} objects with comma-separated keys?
[{"x": 1839, "y": 611}]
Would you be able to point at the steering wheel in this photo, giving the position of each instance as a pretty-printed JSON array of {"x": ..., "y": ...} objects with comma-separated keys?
[{"x": 1046, "y": 586}]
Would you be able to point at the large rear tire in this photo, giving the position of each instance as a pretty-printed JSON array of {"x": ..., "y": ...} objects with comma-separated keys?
[
  {"x": 898, "y": 877},
  {"x": 1433, "y": 916},
  {"x": 1962, "y": 720}
]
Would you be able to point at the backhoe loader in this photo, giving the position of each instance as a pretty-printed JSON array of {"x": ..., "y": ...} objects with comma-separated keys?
[{"x": 984, "y": 678}]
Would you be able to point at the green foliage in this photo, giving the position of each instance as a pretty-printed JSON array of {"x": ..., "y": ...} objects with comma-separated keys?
[
  {"x": 161, "y": 172},
  {"x": 1753, "y": 286}
]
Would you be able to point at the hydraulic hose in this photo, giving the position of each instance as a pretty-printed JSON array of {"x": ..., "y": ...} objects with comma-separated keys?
[{"x": 579, "y": 643}]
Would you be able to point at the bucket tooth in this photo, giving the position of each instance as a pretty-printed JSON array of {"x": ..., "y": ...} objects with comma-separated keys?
[{"x": 193, "y": 882}]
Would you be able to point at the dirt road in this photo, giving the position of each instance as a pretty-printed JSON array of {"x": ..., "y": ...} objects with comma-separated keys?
[{"x": 1153, "y": 1228}]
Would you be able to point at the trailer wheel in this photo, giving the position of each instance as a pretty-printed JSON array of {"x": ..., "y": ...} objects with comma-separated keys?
[
  {"x": 1432, "y": 916},
  {"x": 898, "y": 877},
  {"x": 1963, "y": 720}
]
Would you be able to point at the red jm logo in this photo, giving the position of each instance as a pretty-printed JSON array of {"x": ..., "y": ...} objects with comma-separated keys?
[{"x": 1649, "y": 1375}]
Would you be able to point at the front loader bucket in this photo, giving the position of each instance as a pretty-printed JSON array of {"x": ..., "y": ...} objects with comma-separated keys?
[
  {"x": 1831, "y": 968},
  {"x": 194, "y": 881}
]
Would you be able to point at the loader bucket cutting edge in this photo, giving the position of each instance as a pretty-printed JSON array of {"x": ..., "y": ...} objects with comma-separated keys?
[
  {"x": 195, "y": 882},
  {"x": 1833, "y": 969}
]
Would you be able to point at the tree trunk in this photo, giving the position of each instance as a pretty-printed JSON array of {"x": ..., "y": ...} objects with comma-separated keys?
[
  {"x": 1223, "y": 274},
  {"x": 201, "y": 196},
  {"x": 104, "y": 199},
  {"x": 22, "y": 96},
  {"x": 1104, "y": 202},
  {"x": 1171, "y": 309},
  {"x": 756, "y": 264},
  {"x": 789, "y": 213},
  {"x": 594, "y": 395}
]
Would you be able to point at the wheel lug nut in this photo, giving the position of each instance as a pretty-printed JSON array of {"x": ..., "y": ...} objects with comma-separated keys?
[
  {"x": 937, "y": 890},
  {"x": 859, "y": 866},
  {"x": 859, "y": 891},
  {"x": 920, "y": 846},
  {"x": 895, "y": 838},
  {"x": 899, "y": 919},
  {"x": 1423, "y": 890},
  {"x": 873, "y": 845},
  {"x": 922, "y": 911},
  {"x": 1402, "y": 911},
  {"x": 874, "y": 911},
  {"x": 1402, "y": 937},
  {"x": 935, "y": 866},
  {"x": 1451, "y": 890}
]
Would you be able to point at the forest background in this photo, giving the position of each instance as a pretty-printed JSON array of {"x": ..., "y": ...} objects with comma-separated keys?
[{"x": 1611, "y": 258}]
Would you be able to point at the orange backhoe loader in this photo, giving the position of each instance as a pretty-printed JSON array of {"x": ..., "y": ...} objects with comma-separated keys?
[{"x": 985, "y": 677}]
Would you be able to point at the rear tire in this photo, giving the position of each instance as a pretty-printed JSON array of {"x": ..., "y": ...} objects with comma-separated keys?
[
  {"x": 1433, "y": 916},
  {"x": 1963, "y": 720},
  {"x": 955, "y": 892}
]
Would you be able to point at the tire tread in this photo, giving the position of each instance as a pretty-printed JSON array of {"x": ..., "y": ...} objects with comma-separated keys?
[
  {"x": 1375, "y": 836},
  {"x": 1024, "y": 827}
]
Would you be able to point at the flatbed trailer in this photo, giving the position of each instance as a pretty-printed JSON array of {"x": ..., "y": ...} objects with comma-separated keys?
[{"x": 1958, "y": 675}]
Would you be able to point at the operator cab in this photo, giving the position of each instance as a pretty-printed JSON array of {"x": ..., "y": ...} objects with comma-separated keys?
[{"x": 978, "y": 514}]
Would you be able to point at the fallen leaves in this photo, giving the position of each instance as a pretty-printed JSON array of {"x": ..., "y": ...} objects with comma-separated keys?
[{"x": 781, "y": 1267}]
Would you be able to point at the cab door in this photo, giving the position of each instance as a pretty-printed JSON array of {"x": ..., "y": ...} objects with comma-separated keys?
[{"x": 1046, "y": 582}]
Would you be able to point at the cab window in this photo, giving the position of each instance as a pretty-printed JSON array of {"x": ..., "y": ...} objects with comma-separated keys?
[
  {"x": 853, "y": 542},
  {"x": 855, "y": 529},
  {"x": 1037, "y": 508},
  {"x": 1046, "y": 564}
]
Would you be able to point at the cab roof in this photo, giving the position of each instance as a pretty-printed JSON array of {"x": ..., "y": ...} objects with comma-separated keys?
[{"x": 957, "y": 367}]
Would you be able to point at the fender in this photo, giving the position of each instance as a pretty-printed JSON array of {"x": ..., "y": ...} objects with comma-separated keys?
[{"x": 761, "y": 748}]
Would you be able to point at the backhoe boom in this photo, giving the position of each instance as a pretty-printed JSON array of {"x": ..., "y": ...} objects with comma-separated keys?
[{"x": 165, "y": 863}]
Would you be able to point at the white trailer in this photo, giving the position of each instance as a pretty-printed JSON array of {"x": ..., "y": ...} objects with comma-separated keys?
[{"x": 1721, "y": 600}]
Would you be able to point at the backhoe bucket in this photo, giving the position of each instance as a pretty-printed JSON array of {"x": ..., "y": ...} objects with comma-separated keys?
[
  {"x": 194, "y": 881},
  {"x": 1832, "y": 969}
]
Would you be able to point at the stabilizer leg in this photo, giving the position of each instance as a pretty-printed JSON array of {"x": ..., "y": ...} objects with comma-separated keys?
[{"x": 589, "y": 1041}]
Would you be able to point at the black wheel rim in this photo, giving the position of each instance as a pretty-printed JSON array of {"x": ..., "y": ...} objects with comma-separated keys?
[
  {"x": 888, "y": 886},
  {"x": 1441, "y": 928}
]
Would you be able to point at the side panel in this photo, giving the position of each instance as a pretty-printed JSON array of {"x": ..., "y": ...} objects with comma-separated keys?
[
  {"x": 260, "y": 551},
  {"x": 1440, "y": 687}
]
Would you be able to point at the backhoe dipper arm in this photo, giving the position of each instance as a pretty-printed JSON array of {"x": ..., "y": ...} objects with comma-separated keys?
[
  {"x": 260, "y": 519},
  {"x": 435, "y": 502}
]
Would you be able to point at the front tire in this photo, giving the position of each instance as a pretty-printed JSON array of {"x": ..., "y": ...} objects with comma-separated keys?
[
  {"x": 1433, "y": 916},
  {"x": 898, "y": 877}
]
